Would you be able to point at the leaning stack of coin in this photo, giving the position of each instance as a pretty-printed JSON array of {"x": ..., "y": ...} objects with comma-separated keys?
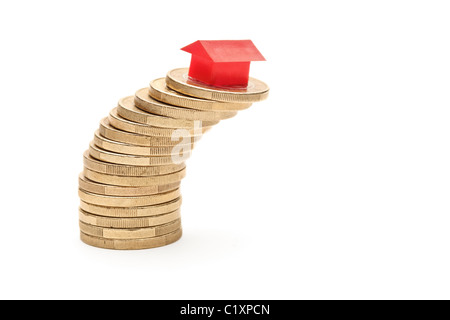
[{"x": 130, "y": 185}]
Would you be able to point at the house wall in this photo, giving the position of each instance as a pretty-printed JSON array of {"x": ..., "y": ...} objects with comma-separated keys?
[
  {"x": 230, "y": 74},
  {"x": 221, "y": 74},
  {"x": 201, "y": 69}
]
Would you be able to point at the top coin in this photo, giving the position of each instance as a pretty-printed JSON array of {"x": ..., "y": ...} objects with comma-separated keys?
[
  {"x": 179, "y": 80},
  {"x": 159, "y": 91}
]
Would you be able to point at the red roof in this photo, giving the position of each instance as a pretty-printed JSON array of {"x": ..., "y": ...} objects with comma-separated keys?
[{"x": 225, "y": 50}]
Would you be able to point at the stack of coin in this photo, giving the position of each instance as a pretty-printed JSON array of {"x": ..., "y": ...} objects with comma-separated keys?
[{"x": 130, "y": 185}]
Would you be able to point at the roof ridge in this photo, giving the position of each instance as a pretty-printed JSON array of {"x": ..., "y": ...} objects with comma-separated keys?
[{"x": 225, "y": 50}]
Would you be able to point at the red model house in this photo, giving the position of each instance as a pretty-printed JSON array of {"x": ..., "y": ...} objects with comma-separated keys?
[{"x": 224, "y": 63}]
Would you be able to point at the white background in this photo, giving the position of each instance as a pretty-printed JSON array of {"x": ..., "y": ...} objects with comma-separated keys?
[{"x": 336, "y": 187}]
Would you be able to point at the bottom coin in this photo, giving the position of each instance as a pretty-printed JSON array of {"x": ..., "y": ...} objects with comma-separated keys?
[
  {"x": 123, "y": 234},
  {"x": 135, "y": 244}
]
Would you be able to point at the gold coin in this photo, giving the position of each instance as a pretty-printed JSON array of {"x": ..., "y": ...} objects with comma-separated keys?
[
  {"x": 124, "y": 181},
  {"x": 111, "y": 133},
  {"x": 136, "y": 233},
  {"x": 125, "y": 170},
  {"x": 133, "y": 127},
  {"x": 138, "y": 128},
  {"x": 131, "y": 212},
  {"x": 127, "y": 223},
  {"x": 127, "y": 109},
  {"x": 137, "y": 244},
  {"x": 119, "y": 147},
  {"x": 159, "y": 91},
  {"x": 116, "y": 201},
  {"x": 109, "y": 190},
  {"x": 147, "y": 103},
  {"x": 179, "y": 81},
  {"x": 125, "y": 159}
]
